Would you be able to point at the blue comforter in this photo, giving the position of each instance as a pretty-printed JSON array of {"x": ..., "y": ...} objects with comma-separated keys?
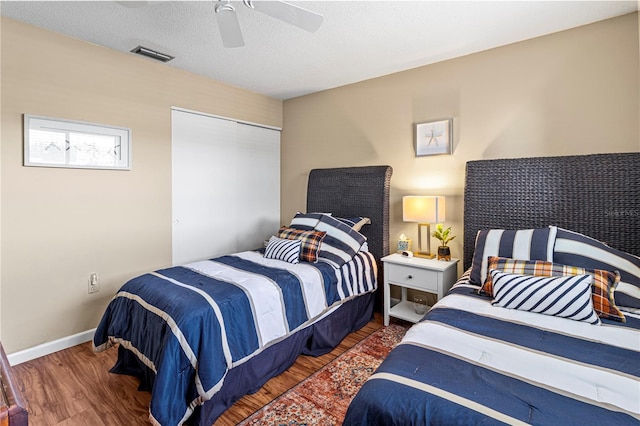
[
  {"x": 191, "y": 324},
  {"x": 471, "y": 363}
]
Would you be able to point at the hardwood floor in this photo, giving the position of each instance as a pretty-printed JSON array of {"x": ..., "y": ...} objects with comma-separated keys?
[{"x": 73, "y": 387}]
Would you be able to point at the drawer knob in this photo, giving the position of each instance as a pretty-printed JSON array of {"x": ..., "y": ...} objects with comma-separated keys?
[{"x": 410, "y": 276}]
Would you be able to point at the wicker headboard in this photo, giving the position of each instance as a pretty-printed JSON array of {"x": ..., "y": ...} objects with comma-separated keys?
[
  {"x": 597, "y": 195},
  {"x": 355, "y": 191}
]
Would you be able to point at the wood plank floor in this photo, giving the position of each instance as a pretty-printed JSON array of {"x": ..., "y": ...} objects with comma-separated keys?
[{"x": 74, "y": 387}]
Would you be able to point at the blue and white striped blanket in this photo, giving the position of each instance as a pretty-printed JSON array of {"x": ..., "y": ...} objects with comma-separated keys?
[
  {"x": 191, "y": 324},
  {"x": 471, "y": 363}
]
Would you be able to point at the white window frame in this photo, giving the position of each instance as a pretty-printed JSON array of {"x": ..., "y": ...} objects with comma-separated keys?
[{"x": 122, "y": 152}]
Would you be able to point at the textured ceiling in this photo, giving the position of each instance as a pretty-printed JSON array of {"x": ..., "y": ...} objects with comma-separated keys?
[{"x": 358, "y": 40}]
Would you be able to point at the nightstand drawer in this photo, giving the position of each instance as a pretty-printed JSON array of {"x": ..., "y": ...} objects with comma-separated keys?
[{"x": 413, "y": 277}]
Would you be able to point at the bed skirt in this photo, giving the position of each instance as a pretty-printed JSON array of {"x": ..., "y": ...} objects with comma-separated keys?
[{"x": 316, "y": 339}]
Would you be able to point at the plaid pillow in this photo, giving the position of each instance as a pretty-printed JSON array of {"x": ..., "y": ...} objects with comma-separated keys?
[
  {"x": 311, "y": 241},
  {"x": 602, "y": 287}
]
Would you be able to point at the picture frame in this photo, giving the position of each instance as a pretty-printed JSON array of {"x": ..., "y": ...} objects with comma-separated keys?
[{"x": 434, "y": 138}]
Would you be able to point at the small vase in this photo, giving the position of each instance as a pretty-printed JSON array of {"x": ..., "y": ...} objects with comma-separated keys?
[{"x": 444, "y": 253}]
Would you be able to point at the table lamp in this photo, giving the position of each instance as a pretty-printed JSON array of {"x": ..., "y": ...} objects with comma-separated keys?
[{"x": 424, "y": 210}]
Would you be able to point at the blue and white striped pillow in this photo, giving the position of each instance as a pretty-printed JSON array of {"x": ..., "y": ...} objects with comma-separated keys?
[
  {"x": 341, "y": 242},
  {"x": 282, "y": 249},
  {"x": 305, "y": 221},
  {"x": 573, "y": 248},
  {"x": 355, "y": 223},
  {"x": 566, "y": 297},
  {"x": 523, "y": 244},
  {"x": 308, "y": 221}
]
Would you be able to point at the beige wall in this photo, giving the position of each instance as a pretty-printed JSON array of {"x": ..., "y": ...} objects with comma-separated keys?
[
  {"x": 574, "y": 92},
  {"x": 567, "y": 93},
  {"x": 60, "y": 225}
]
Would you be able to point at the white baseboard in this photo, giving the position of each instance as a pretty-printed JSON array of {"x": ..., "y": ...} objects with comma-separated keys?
[{"x": 50, "y": 347}]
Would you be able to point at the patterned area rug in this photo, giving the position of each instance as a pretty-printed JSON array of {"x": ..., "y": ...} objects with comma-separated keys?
[{"x": 323, "y": 398}]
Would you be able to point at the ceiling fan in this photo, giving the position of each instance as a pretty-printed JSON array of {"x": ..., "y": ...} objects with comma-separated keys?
[
  {"x": 294, "y": 15},
  {"x": 228, "y": 20}
]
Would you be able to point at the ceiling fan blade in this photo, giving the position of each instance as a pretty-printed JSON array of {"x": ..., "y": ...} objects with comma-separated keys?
[
  {"x": 229, "y": 26},
  {"x": 294, "y": 15}
]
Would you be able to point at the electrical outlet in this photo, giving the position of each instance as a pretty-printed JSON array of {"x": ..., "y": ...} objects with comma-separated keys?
[{"x": 94, "y": 287}]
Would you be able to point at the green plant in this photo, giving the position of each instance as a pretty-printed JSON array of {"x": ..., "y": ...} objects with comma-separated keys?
[{"x": 442, "y": 234}]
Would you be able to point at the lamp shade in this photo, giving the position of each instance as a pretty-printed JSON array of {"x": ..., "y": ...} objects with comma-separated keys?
[{"x": 423, "y": 209}]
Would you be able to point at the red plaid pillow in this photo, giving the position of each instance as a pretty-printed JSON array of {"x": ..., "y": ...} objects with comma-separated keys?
[
  {"x": 602, "y": 288},
  {"x": 311, "y": 241}
]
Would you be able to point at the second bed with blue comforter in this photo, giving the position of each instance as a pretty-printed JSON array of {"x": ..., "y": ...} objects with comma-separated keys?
[
  {"x": 545, "y": 327},
  {"x": 470, "y": 363}
]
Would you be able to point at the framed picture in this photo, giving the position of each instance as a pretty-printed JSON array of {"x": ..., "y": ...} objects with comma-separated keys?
[{"x": 434, "y": 138}]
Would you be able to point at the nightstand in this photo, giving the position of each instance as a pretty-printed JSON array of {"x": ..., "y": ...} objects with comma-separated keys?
[{"x": 426, "y": 275}]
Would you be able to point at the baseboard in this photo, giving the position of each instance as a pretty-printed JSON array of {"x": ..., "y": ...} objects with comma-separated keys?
[{"x": 50, "y": 347}]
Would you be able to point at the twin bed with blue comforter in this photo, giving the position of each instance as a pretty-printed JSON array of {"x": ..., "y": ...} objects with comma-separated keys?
[
  {"x": 202, "y": 335},
  {"x": 555, "y": 338},
  {"x": 470, "y": 363},
  {"x": 204, "y": 318}
]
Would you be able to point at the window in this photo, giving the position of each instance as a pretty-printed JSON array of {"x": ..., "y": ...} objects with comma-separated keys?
[{"x": 52, "y": 142}]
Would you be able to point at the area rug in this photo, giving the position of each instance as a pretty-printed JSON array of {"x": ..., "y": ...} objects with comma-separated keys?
[{"x": 323, "y": 398}]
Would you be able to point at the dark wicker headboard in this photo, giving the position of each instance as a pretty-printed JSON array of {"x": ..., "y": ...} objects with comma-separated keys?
[
  {"x": 597, "y": 195},
  {"x": 355, "y": 191}
]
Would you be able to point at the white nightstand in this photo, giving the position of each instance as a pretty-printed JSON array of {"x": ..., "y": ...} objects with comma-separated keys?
[{"x": 428, "y": 275}]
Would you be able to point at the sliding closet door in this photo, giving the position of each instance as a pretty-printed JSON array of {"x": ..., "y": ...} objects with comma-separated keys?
[
  {"x": 226, "y": 186},
  {"x": 258, "y": 180},
  {"x": 203, "y": 198}
]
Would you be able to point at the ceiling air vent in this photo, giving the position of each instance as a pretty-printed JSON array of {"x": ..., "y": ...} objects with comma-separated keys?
[{"x": 150, "y": 53}]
